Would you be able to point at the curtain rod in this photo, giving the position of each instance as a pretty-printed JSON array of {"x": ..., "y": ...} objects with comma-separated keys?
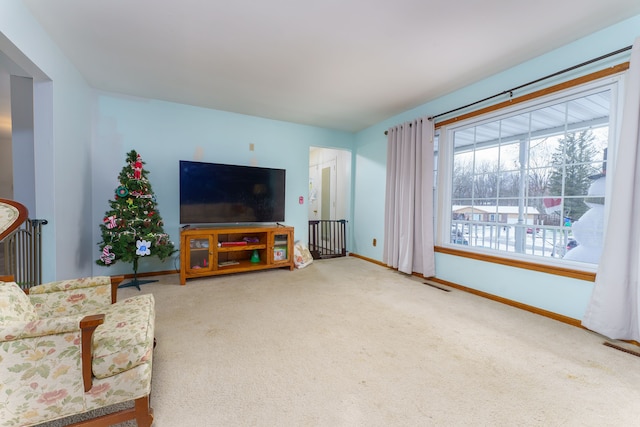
[{"x": 510, "y": 91}]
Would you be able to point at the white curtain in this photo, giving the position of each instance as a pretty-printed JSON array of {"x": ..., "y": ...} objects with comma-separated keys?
[
  {"x": 614, "y": 307},
  {"x": 408, "y": 241}
]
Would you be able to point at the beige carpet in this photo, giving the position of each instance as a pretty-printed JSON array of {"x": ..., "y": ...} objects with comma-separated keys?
[{"x": 345, "y": 342}]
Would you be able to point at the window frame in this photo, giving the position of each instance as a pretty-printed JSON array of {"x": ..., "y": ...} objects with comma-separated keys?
[{"x": 611, "y": 79}]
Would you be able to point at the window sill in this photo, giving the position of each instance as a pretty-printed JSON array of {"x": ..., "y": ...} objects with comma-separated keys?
[{"x": 528, "y": 265}]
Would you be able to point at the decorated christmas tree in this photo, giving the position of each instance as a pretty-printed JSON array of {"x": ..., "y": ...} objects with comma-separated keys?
[{"x": 132, "y": 228}]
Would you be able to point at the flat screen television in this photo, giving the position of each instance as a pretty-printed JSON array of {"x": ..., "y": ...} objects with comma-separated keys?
[{"x": 215, "y": 193}]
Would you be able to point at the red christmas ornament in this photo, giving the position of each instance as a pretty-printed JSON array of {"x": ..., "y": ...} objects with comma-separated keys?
[{"x": 137, "y": 167}]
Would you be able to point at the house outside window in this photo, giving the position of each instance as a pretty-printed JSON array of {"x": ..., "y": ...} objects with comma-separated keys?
[{"x": 530, "y": 181}]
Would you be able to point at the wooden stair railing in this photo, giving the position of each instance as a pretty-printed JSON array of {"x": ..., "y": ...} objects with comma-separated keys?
[{"x": 12, "y": 215}]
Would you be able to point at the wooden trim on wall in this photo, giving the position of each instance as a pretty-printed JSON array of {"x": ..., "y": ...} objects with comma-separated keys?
[
  {"x": 516, "y": 304},
  {"x": 374, "y": 261},
  {"x": 526, "y": 307},
  {"x": 535, "y": 310},
  {"x": 527, "y": 265},
  {"x": 150, "y": 274},
  {"x": 539, "y": 93}
]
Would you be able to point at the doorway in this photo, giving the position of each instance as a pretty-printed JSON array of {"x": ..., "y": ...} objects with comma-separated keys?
[
  {"x": 322, "y": 190},
  {"x": 329, "y": 200}
]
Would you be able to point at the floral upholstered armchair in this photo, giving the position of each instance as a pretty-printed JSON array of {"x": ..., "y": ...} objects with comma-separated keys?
[{"x": 67, "y": 348}]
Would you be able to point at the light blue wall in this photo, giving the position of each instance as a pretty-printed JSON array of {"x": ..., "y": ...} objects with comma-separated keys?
[
  {"x": 62, "y": 150},
  {"x": 369, "y": 193},
  {"x": 557, "y": 294},
  {"x": 164, "y": 133},
  {"x": 561, "y": 295}
]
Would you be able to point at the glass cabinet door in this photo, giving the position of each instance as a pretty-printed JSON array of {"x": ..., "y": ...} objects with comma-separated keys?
[
  {"x": 281, "y": 247},
  {"x": 199, "y": 253}
]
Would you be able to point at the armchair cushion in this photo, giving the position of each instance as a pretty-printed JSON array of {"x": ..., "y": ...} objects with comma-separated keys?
[
  {"x": 15, "y": 304},
  {"x": 69, "y": 297},
  {"x": 22, "y": 329},
  {"x": 125, "y": 339},
  {"x": 41, "y": 378}
]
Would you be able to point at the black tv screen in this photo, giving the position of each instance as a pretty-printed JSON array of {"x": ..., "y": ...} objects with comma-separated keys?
[{"x": 213, "y": 193}]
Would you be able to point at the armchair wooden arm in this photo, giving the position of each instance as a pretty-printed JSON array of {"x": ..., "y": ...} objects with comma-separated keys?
[
  {"x": 115, "y": 282},
  {"x": 88, "y": 326}
]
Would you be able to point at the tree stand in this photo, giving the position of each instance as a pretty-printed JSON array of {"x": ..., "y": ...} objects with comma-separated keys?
[{"x": 135, "y": 282}]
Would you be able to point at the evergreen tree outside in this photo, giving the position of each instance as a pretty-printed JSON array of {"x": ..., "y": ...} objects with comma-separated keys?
[
  {"x": 133, "y": 228},
  {"x": 573, "y": 164}
]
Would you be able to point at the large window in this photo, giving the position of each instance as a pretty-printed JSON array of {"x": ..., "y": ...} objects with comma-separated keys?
[{"x": 531, "y": 180}]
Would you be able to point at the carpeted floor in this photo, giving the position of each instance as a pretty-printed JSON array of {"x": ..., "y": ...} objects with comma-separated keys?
[{"x": 345, "y": 342}]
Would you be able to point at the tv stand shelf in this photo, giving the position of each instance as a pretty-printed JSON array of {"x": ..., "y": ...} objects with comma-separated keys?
[{"x": 211, "y": 251}]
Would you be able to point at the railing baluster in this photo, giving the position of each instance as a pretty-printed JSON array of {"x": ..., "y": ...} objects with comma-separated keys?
[
  {"x": 23, "y": 254},
  {"x": 542, "y": 240}
]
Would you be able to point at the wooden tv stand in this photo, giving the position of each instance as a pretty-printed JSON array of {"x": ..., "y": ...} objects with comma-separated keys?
[{"x": 212, "y": 251}]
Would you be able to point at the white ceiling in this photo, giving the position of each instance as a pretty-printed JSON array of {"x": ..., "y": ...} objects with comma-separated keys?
[{"x": 341, "y": 64}]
